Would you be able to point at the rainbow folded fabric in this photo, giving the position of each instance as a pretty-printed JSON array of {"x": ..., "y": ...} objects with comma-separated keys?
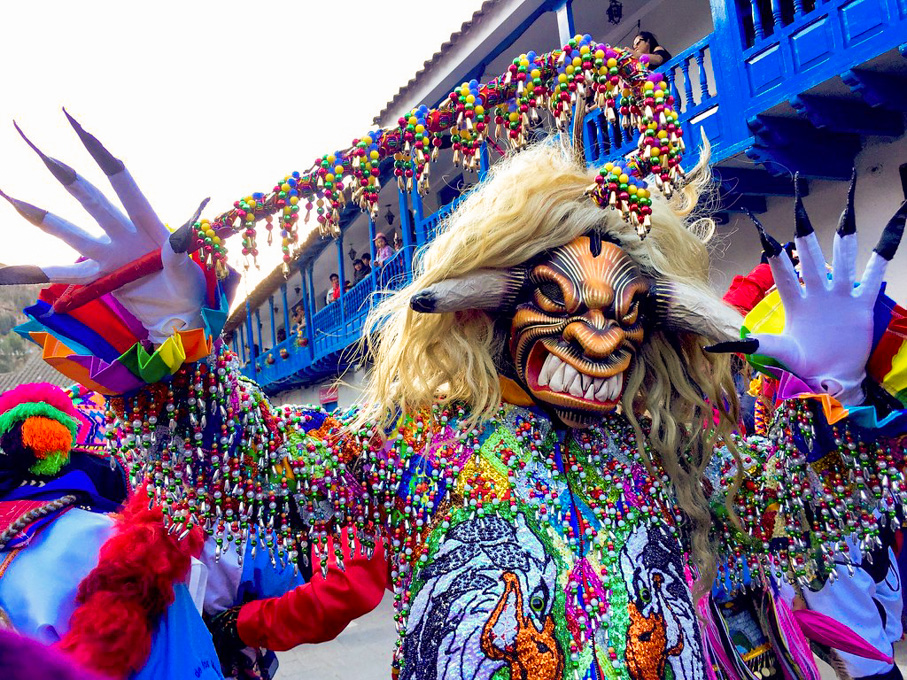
[
  {"x": 887, "y": 364},
  {"x": 104, "y": 348}
]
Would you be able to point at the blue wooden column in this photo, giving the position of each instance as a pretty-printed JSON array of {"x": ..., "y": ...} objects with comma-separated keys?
[
  {"x": 308, "y": 293},
  {"x": 406, "y": 227},
  {"x": 371, "y": 250},
  {"x": 341, "y": 272},
  {"x": 235, "y": 345},
  {"x": 565, "y": 27},
  {"x": 483, "y": 161},
  {"x": 727, "y": 39},
  {"x": 273, "y": 325},
  {"x": 261, "y": 347},
  {"x": 242, "y": 344},
  {"x": 418, "y": 217},
  {"x": 251, "y": 340},
  {"x": 286, "y": 309}
]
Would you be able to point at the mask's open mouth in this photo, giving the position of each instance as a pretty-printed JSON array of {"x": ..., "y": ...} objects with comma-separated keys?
[{"x": 553, "y": 377}]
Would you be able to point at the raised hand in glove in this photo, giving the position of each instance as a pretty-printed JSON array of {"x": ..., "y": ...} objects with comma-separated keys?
[{"x": 828, "y": 329}]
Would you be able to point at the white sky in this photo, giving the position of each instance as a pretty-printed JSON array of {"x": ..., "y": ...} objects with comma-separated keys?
[{"x": 199, "y": 99}]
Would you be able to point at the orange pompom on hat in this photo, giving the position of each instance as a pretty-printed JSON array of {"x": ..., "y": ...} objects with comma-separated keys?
[{"x": 38, "y": 419}]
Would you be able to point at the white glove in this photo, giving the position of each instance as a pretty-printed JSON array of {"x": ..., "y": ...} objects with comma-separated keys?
[
  {"x": 165, "y": 301},
  {"x": 828, "y": 326}
]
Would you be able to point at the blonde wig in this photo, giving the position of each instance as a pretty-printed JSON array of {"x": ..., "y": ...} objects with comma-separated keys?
[{"x": 531, "y": 203}]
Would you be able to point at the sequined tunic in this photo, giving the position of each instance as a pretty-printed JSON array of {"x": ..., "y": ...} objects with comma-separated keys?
[{"x": 521, "y": 550}]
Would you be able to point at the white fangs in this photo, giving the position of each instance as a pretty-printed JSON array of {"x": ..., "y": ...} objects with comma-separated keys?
[{"x": 560, "y": 377}]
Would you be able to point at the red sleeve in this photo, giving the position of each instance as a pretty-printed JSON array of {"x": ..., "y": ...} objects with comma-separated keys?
[
  {"x": 745, "y": 292},
  {"x": 319, "y": 610}
]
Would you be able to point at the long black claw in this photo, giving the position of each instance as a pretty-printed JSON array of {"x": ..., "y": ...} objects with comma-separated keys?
[
  {"x": 802, "y": 225},
  {"x": 27, "y": 210},
  {"x": 848, "y": 223},
  {"x": 181, "y": 239},
  {"x": 771, "y": 247},
  {"x": 747, "y": 346},
  {"x": 108, "y": 162},
  {"x": 19, "y": 274},
  {"x": 424, "y": 301},
  {"x": 892, "y": 234},
  {"x": 64, "y": 174}
]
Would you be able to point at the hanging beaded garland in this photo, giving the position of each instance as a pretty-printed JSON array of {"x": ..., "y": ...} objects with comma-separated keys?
[{"x": 581, "y": 73}]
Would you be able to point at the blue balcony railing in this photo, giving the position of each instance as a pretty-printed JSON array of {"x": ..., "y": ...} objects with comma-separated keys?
[{"x": 764, "y": 55}]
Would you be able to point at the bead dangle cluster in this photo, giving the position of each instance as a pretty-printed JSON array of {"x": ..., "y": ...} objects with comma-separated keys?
[{"x": 805, "y": 491}]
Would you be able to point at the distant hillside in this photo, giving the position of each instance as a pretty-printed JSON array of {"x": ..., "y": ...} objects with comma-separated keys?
[{"x": 14, "y": 350}]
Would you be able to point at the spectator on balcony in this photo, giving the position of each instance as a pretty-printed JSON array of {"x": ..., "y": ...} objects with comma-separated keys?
[
  {"x": 333, "y": 291},
  {"x": 281, "y": 335},
  {"x": 646, "y": 43},
  {"x": 367, "y": 262},
  {"x": 359, "y": 270},
  {"x": 347, "y": 285},
  {"x": 398, "y": 241},
  {"x": 299, "y": 316},
  {"x": 383, "y": 252}
]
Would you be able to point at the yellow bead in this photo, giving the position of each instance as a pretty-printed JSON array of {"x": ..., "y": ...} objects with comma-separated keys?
[
  {"x": 284, "y": 187},
  {"x": 612, "y": 62},
  {"x": 373, "y": 155},
  {"x": 367, "y": 140}
]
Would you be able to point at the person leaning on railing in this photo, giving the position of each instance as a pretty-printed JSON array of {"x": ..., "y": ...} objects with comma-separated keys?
[{"x": 646, "y": 43}]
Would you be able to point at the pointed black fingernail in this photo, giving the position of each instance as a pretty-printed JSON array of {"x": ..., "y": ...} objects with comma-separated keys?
[
  {"x": 746, "y": 346},
  {"x": 423, "y": 302},
  {"x": 108, "y": 162},
  {"x": 802, "y": 225},
  {"x": 64, "y": 174},
  {"x": 27, "y": 210},
  {"x": 771, "y": 247},
  {"x": 892, "y": 234},
  {"x": 848, "y": 223}
]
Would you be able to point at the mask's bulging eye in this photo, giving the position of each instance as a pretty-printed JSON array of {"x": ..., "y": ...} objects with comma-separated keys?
[
  {"x": 551, "y": 292},
  {"x": 632, "y": 314}
]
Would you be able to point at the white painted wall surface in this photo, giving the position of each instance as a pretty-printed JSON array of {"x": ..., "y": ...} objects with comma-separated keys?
[{"x": 878, "y": 196}]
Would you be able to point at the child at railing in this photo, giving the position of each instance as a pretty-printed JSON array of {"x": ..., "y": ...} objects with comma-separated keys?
[{"x": 383, "y": 252}]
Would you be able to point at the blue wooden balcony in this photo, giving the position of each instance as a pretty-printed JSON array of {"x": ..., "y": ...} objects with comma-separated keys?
[{"x": 780, "y": 86}]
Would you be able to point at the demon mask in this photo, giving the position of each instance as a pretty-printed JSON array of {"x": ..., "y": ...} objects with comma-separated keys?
[
  {"x": 575, "y": 317},
  {"x": 577, "y": 325}
]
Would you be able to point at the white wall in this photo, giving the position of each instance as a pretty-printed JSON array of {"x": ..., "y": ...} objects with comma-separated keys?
[
  {"x": 348, "y": 390},
  {"x": 878, "y": 196}
]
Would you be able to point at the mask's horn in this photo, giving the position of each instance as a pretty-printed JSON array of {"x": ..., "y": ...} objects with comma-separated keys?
[
  {"x": 485, "y": 289},
  {"x": 682, "y": 307}
]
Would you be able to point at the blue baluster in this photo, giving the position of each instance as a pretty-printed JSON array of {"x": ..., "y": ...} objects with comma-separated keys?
[
  {"x": 777, "y": 17},
  {"x": 757, "y": 20},
  {"x": 703, "y": 77},
  {"x": 798, "y": 9},
  {"x": 687, "y": 84}
]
